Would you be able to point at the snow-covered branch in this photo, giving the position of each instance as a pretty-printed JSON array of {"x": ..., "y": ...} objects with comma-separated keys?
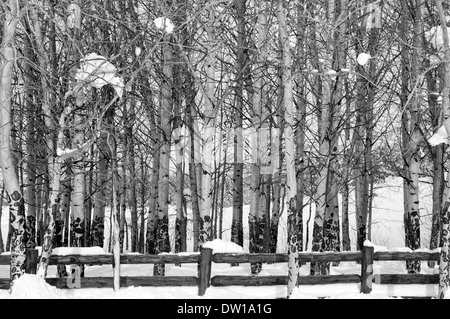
[
  {"x": 164, "y": 24},
  {"x": 96, "y": 71},
  {"x": 69, "y": 153}
]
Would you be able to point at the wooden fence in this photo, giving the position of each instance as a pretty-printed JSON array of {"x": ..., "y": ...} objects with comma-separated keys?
[{"x": 205, "y": 259}]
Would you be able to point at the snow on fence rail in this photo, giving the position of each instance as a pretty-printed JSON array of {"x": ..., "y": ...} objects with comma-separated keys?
[{"x": 205, "y": 259}]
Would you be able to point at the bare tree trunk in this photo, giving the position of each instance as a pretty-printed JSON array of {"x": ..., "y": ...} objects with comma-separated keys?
[
  {"x": 194, "y": 189},
  {"x": 150, "y": 237},
  {"x": 210, "y": 114},
  {"x": 77, "y": 225},
  {"x": 178, "y": 139},
  {"x": 445, "y": 215},
  {"x": 237, "y": 232},
  {"x": 30, "y": 189},
  {"x": 257, "y": 217},
  {"x": 346, "y": 244},
  {"x": 291, "y": 181},
  {"x": 151, "y": 216},
  {"x": 301, "y": 119},
  {"x": 51, "y": 211},
  {"x": 14, "y": 197},
  {"x": 194, "y": 160},
  {"x": 88, "y": 205},
  {"x": 277, "y": 157},
  {"x": 115, "y": 230},
  {"x": 104, "y": 157},
  {"x": 40, "y": 194},
  {"x": 363, "y": 132},
  {"x": 144, "y": 179},
  {"x": 54, "y": 162},
  {"x": 77, "y": 221},
  {"x": 133, "y": 178},
  {"x": 179, "y": 154},
  {"x": 411, "y": 155},
  {"x": 370, "y": 124},
  {"x": 162, "y": 235},
  {"x": 65, "y": 206},
  {"x": 78, "y": 195},
  {"x": 87, "y": 210},
  {"x": 122, "y": 196},
  {"x": 63, "y": 215},
  {"x": 224, "y": 180},
  {"x": 438, "y": 189},
  {"x": 324, "y": 62},
  {"x": 437, "y": 152},
  {"x": 237, "y": 227},
  {"x": 194, "y": 142},
  {"x": 321, "y": 195},
  {"x": 332, "y": 229}
]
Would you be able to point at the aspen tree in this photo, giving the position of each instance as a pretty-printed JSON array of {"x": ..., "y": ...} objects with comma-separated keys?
[
  {"x": 291, "y": 181},
  {"x": 445, "y": 215},
  {"x": 210, "y": 115},
  {"x": 11, "y": 180}
]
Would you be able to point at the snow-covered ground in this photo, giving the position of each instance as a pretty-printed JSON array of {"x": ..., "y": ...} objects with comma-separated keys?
[
  {"x": 32, "y": 287},
  {"x": 387, "y": 230}
]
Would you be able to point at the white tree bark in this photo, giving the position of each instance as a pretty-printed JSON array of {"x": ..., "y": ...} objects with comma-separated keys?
[
  {"x": 208, "y": 137},
  {"x": 54, "y": 162},
  {"x": 291, "y": 181},
  {"x": 412, "y": 156},
  {"x": 31, "y": 166},
  {"x": 10, "y": 178},
  {"x": 445, "y": 216},
  {"x": 276, "y": 137},
  {"x": 238, "y": 168},
  {"x": 77, "y": 225},
  {"x": 259, "y": 145},
  {"x": 321, "y": 197},
  {"x": 115, "y": 213}
]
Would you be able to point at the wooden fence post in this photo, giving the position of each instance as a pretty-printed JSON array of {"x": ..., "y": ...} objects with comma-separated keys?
[
  {"x": 367, "y": 269},
  {"x": 31, "y": 261},
  {"x": 204, "y": 272}
]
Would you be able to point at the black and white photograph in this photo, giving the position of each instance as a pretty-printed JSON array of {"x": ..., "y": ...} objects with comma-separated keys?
[{"x": 227, "y": 155}]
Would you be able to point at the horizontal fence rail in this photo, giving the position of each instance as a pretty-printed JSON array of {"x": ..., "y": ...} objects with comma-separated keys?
[
  {"x": 278, "y": 258},
  {"x": 204, "y": 260},
  {"x": 125, "y": 281},
  {"x": 403, "y": 256},
  {"x": 124, "y": 259}
]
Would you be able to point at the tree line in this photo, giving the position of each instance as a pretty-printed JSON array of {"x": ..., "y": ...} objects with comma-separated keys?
[{"x": 278, "y": 105}]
